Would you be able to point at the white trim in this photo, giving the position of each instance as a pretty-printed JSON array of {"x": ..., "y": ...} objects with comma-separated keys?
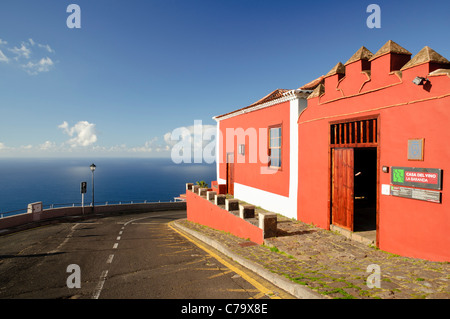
[
  {"x": 293, "y": 153},
  {"x": 287, "y": 96},
  {"x": 218, "y": 151},
  {"x": 283, "y": 205}
]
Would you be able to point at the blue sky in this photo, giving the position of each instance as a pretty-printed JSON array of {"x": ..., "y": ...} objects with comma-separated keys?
[{"x": 136, "y": 70}]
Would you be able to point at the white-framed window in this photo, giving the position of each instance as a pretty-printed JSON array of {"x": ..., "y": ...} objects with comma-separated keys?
[{"x": 275, "y": 146}]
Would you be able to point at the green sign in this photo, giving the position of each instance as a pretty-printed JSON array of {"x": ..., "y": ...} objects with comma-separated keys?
[
  {"x": 398, "y": 175},
  {"x": 430, "y": 178}
]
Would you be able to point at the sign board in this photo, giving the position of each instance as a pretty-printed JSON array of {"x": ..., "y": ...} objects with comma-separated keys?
[
  {"x": 415, "y": 149},
  {"x": 385, "y": 189},
  {"x": 415, "y": 193},
  {"x": 430, "y": 178}
]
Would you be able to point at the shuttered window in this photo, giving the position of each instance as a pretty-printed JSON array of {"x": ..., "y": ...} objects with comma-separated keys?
[{"x": 358, "y": 133}]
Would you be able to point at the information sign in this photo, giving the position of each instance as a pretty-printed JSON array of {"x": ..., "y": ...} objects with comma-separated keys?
[
  {"x": 430, "y": 178},
  {"x": 415, "y": 193}
]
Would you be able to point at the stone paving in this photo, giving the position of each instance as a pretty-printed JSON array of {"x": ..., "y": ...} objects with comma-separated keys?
[{"x": 335, "y": 266}]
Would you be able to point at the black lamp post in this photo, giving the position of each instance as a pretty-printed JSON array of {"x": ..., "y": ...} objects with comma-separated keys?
[{"x": 92, "y": 167}]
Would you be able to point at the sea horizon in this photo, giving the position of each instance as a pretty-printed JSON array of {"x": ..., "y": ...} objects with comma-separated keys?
[{"x": 57, "y": 180}]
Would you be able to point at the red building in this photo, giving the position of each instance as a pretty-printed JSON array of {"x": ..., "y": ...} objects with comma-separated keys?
[
  {"x": 363, "y": 150},
  {"x": 257, "y": 151},
  {"x": 373, "y": 150}
]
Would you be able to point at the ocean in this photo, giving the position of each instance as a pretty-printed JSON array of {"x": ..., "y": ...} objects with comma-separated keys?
[{"x": 56, "y": 181}]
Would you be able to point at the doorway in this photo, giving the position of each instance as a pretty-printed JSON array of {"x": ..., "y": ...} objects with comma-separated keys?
[
  {"x": 365, "y": 186},
  {"x": 354, "y": 189},
  {"x": 354, "y": 176},
  {"x": 230, "y": 173}
]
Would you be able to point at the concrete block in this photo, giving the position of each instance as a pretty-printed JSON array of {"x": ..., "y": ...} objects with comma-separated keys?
[
  {"x": 210, "y": 195},
  {"x": 268, "y": 223},
  {"x": 231, "y": 204},
  {"x": 246, "y": 211},
  {"x": 195, "y": 189},
  {"x": 219, "y": 199},
  {"x": 189, "y": 186},
  {"x": 202, "y": 191},
  {"x": 36, "y": 210}
]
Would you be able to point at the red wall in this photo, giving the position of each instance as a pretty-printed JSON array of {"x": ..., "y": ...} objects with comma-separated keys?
[
  {"x": 204, "y": 212},
  {"x": 406, "y": 226},
  {"x": 246, "y": 172}
]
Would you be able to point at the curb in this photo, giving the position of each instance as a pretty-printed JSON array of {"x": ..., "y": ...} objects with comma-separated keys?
[{"x": 294, "y": 289}]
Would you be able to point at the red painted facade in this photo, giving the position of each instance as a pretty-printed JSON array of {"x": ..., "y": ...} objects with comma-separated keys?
[
  {"x": 381, "y": 87},
  {"x": 204, "y": 212},
  {"x": 251, "y": 129}
]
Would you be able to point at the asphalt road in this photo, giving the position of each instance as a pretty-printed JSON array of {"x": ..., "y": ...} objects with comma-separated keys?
[{"x": 137, "y": 256}]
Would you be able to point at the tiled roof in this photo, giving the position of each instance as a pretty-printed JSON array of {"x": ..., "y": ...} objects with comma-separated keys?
[
  {"x": 390, "y": 47},
  {"x": 425, "y": 55},
  {"x": 440, "y": 72},
  {"x": 278, "y": 93},
  {"x": 269, "y": 97},
  {"x": 318, "y": 91},
  {"x": 338, "y": 68},
  {"x": 362, "y": 54},
  {"x": 313, "y": 84}
]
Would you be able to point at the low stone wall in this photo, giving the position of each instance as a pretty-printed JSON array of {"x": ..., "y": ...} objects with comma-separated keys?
[
  {"x": 36, "y": 214},
  {"x": 206, "y": 207}
]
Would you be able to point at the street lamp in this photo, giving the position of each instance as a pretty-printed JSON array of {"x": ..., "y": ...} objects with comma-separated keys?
[{"x": 92, "y": 167}]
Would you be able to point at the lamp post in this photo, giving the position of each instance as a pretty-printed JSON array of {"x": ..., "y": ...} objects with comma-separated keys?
[{"x": 92, "y": 167}]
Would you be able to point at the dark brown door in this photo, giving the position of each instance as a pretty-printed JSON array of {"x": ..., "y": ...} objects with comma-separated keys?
[
  {"x": 230, "y": 173},
  {"x": 342, "y": 187}
]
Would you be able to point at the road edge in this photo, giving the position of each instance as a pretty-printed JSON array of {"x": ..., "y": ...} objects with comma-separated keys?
[{"x": 294, "y": 289}]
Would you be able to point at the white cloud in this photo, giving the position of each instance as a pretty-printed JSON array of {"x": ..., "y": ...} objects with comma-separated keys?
[
  {"x": 3, "y": 57},
  {"x": 42, "y": 46},
  {"x": 83, "y": 133},
  {"x": 2, "y": 146},
  {"x": 46, "y": 47},
  {"x": 43, "y": 65},
  {"x": 152, "y": 145},
  {"x": 47, "y": 145},
  {"x": 22, "y": 52},
  {"x": 31, "y": 56}
]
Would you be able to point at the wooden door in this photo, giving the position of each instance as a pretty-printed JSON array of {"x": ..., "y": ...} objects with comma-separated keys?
[
  {"x": 342, "y": 187},
  {"x": 230, "y": 173}
]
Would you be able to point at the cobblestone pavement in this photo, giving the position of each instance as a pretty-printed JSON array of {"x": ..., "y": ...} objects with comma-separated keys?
[{"x": 337, "y": 267}]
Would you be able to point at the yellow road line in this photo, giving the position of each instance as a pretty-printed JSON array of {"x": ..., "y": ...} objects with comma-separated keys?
[
  {"x": 220, "y": 274},
  {"x": 252, "y": 281}
]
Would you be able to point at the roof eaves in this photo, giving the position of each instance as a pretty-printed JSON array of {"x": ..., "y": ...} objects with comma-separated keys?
[{"x": 287, "y": 95}]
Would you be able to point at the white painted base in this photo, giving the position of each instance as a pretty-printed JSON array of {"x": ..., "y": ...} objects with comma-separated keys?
[{"x": 272, "y": 202}]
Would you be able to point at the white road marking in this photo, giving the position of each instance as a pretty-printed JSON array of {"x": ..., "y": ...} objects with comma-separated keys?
[
  {"x": 133, "y": 220},
  {"x": 65, "y": 240},
  {"x": 118, "y": 238},
  {"x": 115, "y": 245},
  {"x": 100, "y": 284},
  {"x": 110, "y": 259}
]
